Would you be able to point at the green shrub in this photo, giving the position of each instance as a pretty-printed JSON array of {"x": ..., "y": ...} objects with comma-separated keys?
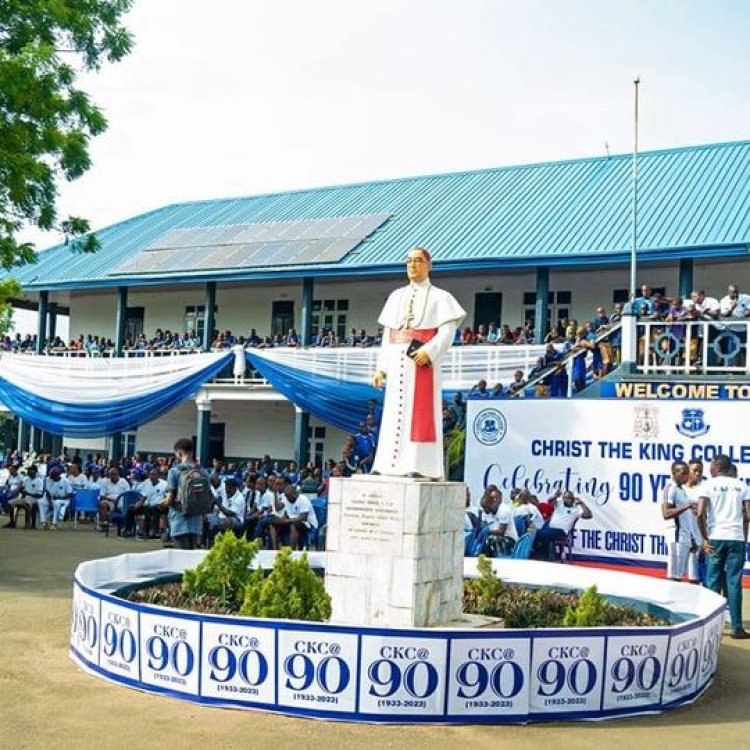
[
  {"x": 224, "y": 572},
  {"x": 590, "y": 612},
  {"x": 292, "y": 591},
  {"x": 481, "y": 593}
]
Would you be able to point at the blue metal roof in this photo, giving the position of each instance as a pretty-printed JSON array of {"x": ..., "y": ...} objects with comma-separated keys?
[{"x": 693, "y": 201}]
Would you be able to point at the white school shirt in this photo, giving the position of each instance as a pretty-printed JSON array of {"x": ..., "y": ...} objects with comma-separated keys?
[
  {"x": 505, "y": 515},
  {"x": 531, "y": 512},
  {"x": 678, "y": 497},
  {"x": 33, "y": 487},
  {"x": 739, "y": 310},
  {"x": 79, "y": 482},
  {"x": 58, "y": 490},
  {"x": 303, "y": 505},
  {"x": 236, "y": 504},
  {"x": 112, "y": 490},
  {"x": 565, "y": 518},
  {"x": 154, "y": 493},
  {"x": 14, "y": 484},
  {"x": 725, "y": 516}
]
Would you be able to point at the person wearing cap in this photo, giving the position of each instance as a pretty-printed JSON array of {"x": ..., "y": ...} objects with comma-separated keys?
[{"x": 58, "y": 494}]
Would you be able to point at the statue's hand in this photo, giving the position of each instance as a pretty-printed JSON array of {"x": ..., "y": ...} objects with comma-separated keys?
[
  {"x": 378, "y": 379},
  {"x": 422, "y": 358}
]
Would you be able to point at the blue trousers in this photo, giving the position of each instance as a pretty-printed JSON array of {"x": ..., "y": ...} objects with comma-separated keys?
[{"x": 725, "y": 563}]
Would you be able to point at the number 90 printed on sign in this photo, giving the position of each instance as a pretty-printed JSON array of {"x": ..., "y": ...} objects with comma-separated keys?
[
  {"x": 238, "y": 663},
  {"x": 317, "y": 671},
  {"x": 84, "y": 626},
  {"x": 489, "y": 676},
  {"x": 566, "y": 674},
  {"x": 118, "y": 650},
  {"x": 402, "y": 676},
  {"x": 169, "y": 652}
]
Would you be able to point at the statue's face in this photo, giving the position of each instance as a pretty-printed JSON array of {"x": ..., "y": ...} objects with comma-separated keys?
[{"x": 417, "y": 265}]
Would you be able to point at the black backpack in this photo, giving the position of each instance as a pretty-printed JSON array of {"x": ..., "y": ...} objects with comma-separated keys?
[{"x": 194, "y": 496}]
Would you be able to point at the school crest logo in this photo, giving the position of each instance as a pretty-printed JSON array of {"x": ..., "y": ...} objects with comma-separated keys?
[
  {"x": 646, "y": 424},
  {"x": 490, "y": 426},
  {"x": 693, "y": 423}
]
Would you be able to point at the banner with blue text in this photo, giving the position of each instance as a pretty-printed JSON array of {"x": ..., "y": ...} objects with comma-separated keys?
[{"x": 615, "y": 455}]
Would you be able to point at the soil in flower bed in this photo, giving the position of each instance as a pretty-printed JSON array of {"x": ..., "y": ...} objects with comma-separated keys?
[{"x": 517, "y": 606}]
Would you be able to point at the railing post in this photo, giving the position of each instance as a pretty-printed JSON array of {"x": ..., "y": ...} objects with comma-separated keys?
[{"x": 629, "y": 347}]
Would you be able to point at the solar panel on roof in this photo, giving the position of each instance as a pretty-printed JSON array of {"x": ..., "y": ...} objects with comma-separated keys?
[{"x": 278, "y": 243}]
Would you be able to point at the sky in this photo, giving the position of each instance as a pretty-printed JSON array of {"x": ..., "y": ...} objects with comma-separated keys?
[{"x": 241, "y": 97}]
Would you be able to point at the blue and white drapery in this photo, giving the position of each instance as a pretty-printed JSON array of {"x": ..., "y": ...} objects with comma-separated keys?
[
  {"x": 92, "y": 397},
  {"x": 333, "y": 384},
  {"x": 338, "y": 397}
]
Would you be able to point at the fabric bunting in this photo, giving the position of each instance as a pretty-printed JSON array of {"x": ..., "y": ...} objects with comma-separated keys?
[
  {"x": 92, "y": 397},
  {"x": 341, "y": 403}
]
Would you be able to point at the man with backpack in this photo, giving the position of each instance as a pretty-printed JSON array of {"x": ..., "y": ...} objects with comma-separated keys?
[{"x": 188, "y": 496}]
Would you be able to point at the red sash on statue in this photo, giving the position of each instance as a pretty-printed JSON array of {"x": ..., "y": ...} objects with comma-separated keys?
[{"x": 423, "y": 408}]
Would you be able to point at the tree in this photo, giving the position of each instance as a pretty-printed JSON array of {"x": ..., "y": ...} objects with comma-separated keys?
[{"x": 46, "y": 122}]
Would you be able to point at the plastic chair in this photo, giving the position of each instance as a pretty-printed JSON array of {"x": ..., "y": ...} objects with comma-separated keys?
[
  {"x": 524, "y": 545},
  {"x": 84, "y": 501},
  {"x": 316, "y": 536},
  {"x": 119, "y": 513},
  {"x": 522, "y": 524},
  {"x": 564, "y": 547}
]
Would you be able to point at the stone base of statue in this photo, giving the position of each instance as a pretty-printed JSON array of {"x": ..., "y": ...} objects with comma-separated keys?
[{"x": 394, "y": 551}]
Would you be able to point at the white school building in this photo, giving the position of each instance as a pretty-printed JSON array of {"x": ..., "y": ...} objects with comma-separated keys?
[{"x": 544, "y": 242}]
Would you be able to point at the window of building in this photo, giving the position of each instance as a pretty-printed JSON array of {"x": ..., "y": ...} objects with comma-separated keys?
[
  {"x": 195, "y": 319},
  {"x": 134, "y": 323},
  {"x": 558, "y": 306},
  {"x": 331, "y": 314},
  {"x": 316, "y": 438},
  {"x": 282, "y": 317}
]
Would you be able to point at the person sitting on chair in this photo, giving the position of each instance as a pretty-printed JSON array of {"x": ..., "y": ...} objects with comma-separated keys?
[
  {"x": 25, "y": 494},
  {"x": 59, "y": 494},
  {"x": 498, "y": 518},
  {"x": 568, "y": 509},
  {"x": 299, "y": 517},
  {"x": 229, "y": 512},
  {"x": 110, "y": 488}
]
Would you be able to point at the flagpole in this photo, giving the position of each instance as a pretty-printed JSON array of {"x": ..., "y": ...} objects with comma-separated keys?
[{"x": 634, "y": 207}]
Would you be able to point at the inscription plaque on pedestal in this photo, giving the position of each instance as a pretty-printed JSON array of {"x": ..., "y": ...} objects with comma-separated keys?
[
  {"x": 373, "y": 521},
  {"x": 394, "y": 551}
]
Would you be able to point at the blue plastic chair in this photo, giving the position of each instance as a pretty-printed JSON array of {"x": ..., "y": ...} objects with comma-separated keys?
[
  {"x": 316, "y": 537},
  {"x": 118, "y": 514},
  {"x": 524, "y": 545},
  {"x": 84, "y": 501},
  {"x": 522, "y": 524}
]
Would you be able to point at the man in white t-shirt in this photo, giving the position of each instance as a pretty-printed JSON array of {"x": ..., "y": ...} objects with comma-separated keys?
[
  {"x": 497, "y": 517},
  {"x": 568, "y": 509},
  {"x": 734, "y": 306},
  {"x": 59, "y": 493},
  {"x": 229, "y": 511},
  {"x": 723, "y": 517},
  {"x": 298, "y": 518},
  {"x": 27, "y": 493},
  {"x": 527, "y": 510},
  {"x": 151, "y": 505},
  {"x": 110, "y": 490},
  {"x": 680, "y": 507}
]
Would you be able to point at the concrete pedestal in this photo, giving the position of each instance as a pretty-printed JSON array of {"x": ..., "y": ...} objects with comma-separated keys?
[{"x": 394, "y": 551}]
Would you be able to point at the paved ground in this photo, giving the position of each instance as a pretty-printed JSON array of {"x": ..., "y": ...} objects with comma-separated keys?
[{"x": 46, "y": 702}]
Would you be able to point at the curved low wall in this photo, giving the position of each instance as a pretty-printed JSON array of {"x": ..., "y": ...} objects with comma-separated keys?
[{"x": 445, "y": 675}]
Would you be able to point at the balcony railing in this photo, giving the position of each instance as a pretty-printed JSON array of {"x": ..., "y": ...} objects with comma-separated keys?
[{"x": 693, "y": 347}]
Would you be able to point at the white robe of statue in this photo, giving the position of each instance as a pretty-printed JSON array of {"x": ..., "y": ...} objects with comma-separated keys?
[{"x": 418, "y": 309}]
